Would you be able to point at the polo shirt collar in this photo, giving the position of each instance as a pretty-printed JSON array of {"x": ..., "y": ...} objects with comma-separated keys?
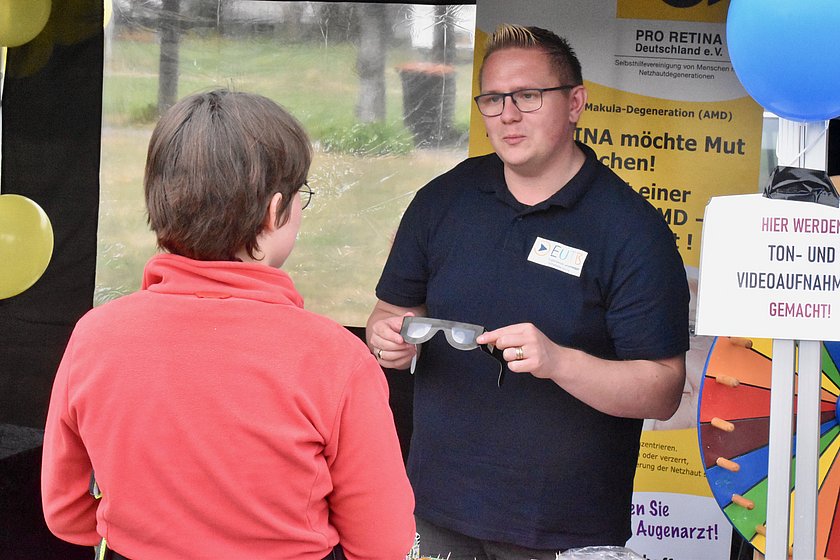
[{"x": 566, "y": 197}]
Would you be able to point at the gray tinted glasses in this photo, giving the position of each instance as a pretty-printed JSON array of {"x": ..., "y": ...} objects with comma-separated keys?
[{"x": 417, "y": 330}]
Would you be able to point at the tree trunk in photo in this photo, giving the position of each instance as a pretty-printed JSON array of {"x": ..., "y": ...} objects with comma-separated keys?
[
  {"x": 443, "y": 42},
  {"x": 443, "y": 52},
  {"x": 429, "y": 88},
  {"x": 170, "y": 36},
  {"x": 370, "y": 64}
]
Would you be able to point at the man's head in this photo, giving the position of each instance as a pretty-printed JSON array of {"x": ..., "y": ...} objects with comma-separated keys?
[
  {"x": 215, "y": 162},
  {"x": 562, "y": 56},
  {"x": 531, "y": 99}
]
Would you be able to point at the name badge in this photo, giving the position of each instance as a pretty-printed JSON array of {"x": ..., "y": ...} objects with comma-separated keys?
[{"x": 557, "y": 256}]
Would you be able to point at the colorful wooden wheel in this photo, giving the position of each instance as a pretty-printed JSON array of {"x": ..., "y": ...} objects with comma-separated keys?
[{"x": 734, "y": 430}]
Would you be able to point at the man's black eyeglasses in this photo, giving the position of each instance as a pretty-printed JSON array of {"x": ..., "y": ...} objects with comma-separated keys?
[
  {"x": 306, "y": 193},
  {"x": 417, "y": 330},
  {"x": 526, "y": 100}
]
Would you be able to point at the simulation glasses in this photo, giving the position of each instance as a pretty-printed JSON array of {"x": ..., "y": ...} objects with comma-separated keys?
[{"x": 417, "y": 330}]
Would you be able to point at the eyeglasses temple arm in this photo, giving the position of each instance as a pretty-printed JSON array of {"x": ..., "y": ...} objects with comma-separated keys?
[
  {"x": 414, "y": 359},
  {"x": 496, "y": 353}
]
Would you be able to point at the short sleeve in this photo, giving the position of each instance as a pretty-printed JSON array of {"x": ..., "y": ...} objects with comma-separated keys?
[
  {"x": 648, "y": 308},
  {"x": 405, "y": 277}
]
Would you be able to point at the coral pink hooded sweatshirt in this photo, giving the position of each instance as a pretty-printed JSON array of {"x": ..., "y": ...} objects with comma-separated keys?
[{"x": 223, "y": 421}]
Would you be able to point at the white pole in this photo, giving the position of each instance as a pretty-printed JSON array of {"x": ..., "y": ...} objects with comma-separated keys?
[
  {"x": 807, "y": 450},
  {"x": 780, "y": 444},
  {"x": 799, "y": 145}
]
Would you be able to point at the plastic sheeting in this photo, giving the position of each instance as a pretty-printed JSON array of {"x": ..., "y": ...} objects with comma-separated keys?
[
  {"x": 599, "y": 553},
  {"x": 383, "y": 89}
]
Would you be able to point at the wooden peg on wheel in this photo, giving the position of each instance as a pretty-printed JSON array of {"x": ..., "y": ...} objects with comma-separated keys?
[
  {"x": 727, "y": 380},
  {"x": 725, "y": 463},
  {"x": 722, "y": 424},
  {"x": 742, "y": 501}
]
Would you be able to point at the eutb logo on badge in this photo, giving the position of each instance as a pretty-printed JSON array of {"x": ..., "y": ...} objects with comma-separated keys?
[{"x": 712, "y": 11}]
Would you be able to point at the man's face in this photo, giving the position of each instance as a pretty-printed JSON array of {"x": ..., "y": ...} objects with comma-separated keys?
[{"x": 530, "y": 143}]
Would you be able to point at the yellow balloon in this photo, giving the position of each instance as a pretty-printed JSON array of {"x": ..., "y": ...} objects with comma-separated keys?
[
  {"x": 26, "y": 244},
  {"x": 108, "y": 12},
  {"x": 22, "y": 20}
]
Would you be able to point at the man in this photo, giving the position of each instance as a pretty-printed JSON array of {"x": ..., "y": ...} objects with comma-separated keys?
[{"x": 582, "y": 282}]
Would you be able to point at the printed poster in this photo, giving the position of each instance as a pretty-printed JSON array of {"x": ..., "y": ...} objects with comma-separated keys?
[{"x": 667, "y": 113}]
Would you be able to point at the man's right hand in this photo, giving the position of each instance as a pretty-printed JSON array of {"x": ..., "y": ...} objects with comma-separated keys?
[{"x": 383, "y": 335}]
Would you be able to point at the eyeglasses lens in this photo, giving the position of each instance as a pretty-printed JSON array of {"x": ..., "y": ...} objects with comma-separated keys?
[
  {"x": 526, "y": 100},
  {"x": 463, "y": 336},
  {"x": 418, "y": 330}
]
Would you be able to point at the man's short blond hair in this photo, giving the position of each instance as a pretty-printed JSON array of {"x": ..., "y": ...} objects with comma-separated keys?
[{"x": 511, "y": 36}]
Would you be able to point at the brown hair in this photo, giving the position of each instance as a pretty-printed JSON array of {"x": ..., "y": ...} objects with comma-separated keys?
[
  {"x": 563, "y": 57},
  {"x": 215, "y": 160}
]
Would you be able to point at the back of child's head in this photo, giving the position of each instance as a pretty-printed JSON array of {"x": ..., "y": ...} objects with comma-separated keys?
[{"x": 215, "y": 160}]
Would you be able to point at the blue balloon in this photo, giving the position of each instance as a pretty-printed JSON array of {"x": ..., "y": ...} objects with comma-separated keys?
[{"x": 786, "y": 53}]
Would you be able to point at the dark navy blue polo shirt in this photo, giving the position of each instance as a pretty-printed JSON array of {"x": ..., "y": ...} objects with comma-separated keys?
[{"x": 594, "y": 267}]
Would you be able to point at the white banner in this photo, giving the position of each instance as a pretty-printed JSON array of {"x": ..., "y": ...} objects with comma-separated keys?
[{"x": 768, "y": 269}]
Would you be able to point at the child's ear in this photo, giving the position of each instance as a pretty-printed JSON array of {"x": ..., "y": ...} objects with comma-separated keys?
[{"x": 271, "y": 212}]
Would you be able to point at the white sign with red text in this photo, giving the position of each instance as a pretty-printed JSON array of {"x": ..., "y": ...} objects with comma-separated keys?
[{"x": 769, "y": 269}]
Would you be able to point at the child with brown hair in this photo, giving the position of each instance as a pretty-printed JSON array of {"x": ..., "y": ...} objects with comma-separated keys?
[{"x": 221, "y": 419}]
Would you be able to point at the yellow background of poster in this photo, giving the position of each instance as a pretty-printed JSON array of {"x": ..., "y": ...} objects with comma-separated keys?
[
  {"x": 669, "y": 461},
  {"x": 676, "y": 154},
  {"x": 479, "y": 144},
  {"x": 702, "y": 10}
]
